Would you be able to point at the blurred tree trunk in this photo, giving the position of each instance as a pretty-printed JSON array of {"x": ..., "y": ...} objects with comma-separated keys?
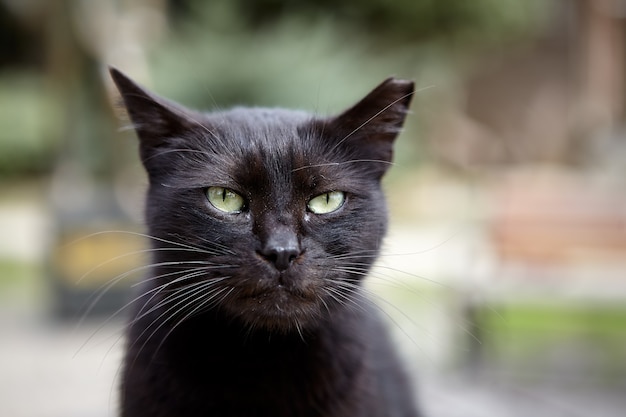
[
  {"x": 82, "y": 193},
  {"x": 602, "y": 64}
]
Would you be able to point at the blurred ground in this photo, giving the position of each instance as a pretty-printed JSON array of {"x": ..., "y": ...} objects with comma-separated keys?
[{"x": 47, "y": 372}]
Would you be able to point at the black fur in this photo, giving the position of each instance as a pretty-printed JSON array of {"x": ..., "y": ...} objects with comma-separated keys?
[{"x": 260, "y": 312}]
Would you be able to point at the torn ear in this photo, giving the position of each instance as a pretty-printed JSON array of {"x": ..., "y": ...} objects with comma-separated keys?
[
  {"x": 371, "y": 125},
  {"x": 155, "y": 119}
]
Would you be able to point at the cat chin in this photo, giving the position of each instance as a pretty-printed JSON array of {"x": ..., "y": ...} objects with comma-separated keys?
[
  {"x": 279, "y": 310},
  {"x": 285, "y": 324}
]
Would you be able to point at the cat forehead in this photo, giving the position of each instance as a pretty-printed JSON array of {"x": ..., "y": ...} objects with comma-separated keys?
[
  {"x": 259, "y": 119},
  {"x": 256, "y": 147},
  {"x": 250, "y": 133}
]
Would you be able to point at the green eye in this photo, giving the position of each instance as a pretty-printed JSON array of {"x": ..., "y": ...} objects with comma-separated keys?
[
  {"x": 327, "y": 202},
  {"x": 225, "y": 200}
]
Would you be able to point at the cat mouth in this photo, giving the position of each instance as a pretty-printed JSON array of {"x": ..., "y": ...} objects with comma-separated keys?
[
  {"x": 278, "y": 306},
  {"x": 281, "y": 293}
]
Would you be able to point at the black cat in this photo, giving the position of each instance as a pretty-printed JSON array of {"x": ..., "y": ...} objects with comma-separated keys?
[{"x": 263, "y": 223}]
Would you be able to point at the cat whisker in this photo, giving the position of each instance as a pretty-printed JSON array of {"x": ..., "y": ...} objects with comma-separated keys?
[
  {"x": 176, "y": 150},
  {"x": 154, "y": 291},
  {"x": 139, "y": 315},
  {"x": 176, "y": 299},
  {"x": 137, "y": 252},
  {"x": 208, "y": 267},
  {"x": 327, "y": 164},
  {"x": 375, "y": 275},
  {"x": 372, "y": 254},
  {"x": 321, "y": 299},
  {"x": 332, "y": 295},
  {"x": 398, "y": 325},
  {"x": 104, "y": 288},
  {"x": 370, "y": 300},
  {"x": 338, "y": 296},
  {"x": 224, "y": 249},
  {"x": 464, "y": 325},
  {"x": 409, "y": 274},
  {"x": 352, "y": 161},
  {"x": 175, "y": 310},
  {"x": 345, "y": 269},
  {"x": 210, "y": 300},
  {"x": 206, "y": 129},
  {"x": 175, "y": 291},
  {"x": 299, "y": 328},
  {"x": 153, "y": 238},
  {"x": 428, "y": 249},
  {"x": 210, "y": 305},
  {"x": 364, "y": 270}
]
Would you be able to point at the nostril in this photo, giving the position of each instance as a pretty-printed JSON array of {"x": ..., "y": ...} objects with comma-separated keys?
[
  {"x": 280, "y": 257},
  {"x": 280, "y": 247}
]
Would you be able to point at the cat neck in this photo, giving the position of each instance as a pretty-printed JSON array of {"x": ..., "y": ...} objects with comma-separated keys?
[{"x": 212, "y": 345}]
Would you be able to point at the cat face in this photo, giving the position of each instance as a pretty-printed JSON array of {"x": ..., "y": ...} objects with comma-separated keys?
[{"x": 271, "y": 217}]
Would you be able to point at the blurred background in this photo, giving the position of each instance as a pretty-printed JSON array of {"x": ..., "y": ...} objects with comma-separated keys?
[{"x": 504, "y": 274}]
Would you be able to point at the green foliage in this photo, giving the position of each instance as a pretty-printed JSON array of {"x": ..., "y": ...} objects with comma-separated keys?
[
  {"x": 586, "y": 340},
  {"x": 29, "y": 125},
  {"x": 288, "y": 65},
  {"x": 273, "y": 51},
  {"x": 17, "y": 279},
  {"x": 407, "y": 20}
]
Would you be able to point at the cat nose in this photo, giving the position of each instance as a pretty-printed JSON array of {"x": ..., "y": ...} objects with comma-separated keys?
[
  {"x": 281, "y": 250},
  {"x": 281, "y": 257}
]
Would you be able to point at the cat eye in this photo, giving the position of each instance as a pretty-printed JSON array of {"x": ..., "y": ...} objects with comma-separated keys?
[
  {"x": 327, "y": 202},
  {"x": 225, "y": 200}
]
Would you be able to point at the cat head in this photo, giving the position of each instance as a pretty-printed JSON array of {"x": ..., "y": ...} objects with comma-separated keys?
[{"x": 268, "y": 216}]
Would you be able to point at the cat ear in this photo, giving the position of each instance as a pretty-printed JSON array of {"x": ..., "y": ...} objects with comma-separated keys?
[
  {"x": 369, "y": 128},
  {"x": 155, "y": 119}
]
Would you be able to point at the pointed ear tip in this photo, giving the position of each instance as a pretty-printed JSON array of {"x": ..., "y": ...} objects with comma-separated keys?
[
  {"x": 117, "y": 75},
  {"x": 401, "y": 83},
  {"x": 124, "y": 83},
  {"x": 398, "y": 86}
]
